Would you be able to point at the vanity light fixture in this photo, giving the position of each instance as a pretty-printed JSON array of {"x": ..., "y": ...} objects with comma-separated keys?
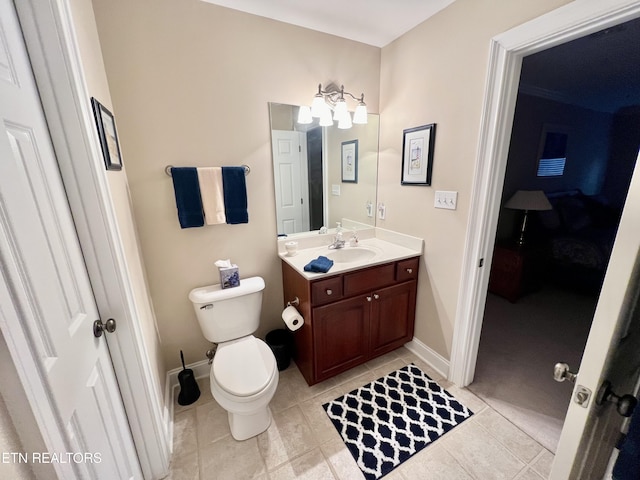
[{"x": 331, "y": 99}]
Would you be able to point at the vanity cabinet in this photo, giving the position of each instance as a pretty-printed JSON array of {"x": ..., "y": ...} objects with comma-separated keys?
[{"x": 351, "y": 317}]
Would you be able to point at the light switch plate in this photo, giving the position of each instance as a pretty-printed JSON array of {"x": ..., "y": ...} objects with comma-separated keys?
[
  {"x": 448, "y": 200},
  {"x": 335, "y": 189}
]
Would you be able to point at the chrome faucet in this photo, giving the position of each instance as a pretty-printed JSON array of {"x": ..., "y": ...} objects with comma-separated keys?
[{"x": 338, "y": 241}]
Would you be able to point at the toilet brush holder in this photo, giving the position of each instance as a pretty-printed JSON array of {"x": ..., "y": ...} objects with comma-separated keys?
[{"x": 189, "y": 390}]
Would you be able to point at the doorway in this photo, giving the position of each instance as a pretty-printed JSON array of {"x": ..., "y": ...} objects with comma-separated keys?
[{"x": 586, "y": 87}]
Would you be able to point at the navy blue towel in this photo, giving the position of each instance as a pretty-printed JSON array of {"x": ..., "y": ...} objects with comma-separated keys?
[
  {"x": 188, "y": 201},
  {"x": 319, "y": 265},
  {"x": 235, "y": 195},
  {"x": 627, "y": 465}
]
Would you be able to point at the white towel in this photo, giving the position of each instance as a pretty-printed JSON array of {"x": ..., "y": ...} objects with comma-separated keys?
[{"x": 210, "y": 179}]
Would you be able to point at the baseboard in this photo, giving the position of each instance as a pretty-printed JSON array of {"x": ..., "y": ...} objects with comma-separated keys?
[
  {"x": 431, "y": 357},
  {"x": 200, "y": 369}
]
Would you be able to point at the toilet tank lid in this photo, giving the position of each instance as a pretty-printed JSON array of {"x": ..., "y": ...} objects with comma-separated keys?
[{"x": 215, "y": 293}]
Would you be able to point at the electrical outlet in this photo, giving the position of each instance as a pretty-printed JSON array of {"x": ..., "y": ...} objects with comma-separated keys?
[
  {"x": 382, "y": 211},
  {"x": 448, "y": 200}
]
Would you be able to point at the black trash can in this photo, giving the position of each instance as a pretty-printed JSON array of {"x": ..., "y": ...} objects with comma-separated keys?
[{"x": 280, "y": 341}]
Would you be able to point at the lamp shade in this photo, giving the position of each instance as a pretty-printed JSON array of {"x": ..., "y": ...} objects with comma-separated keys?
[
  {"x": 528, "y": 200},
  {"x": 345, "y": 121},
  {"x": 304, "y": 115},
  {"x": 360, "y": 116},
  {"x": 325, "y": 117},
  {"x": 340, "y": 111},
  {"x": 318, "y": 106}
]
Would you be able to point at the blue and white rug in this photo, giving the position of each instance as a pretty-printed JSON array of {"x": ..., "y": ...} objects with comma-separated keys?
[{"x": 387, "y": 421}]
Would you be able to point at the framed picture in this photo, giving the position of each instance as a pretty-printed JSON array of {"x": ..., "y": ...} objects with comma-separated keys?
[
  {"x": 108, "y": 136},
  {"x": 350, "y": 161},
  {"x": 417, "y": 154}
]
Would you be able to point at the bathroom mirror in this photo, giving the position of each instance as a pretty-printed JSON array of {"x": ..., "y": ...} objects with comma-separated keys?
[{"x": 322, "y": 175}]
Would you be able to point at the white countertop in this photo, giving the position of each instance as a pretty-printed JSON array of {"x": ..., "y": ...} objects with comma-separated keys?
[{"x": 386, "y": 245}]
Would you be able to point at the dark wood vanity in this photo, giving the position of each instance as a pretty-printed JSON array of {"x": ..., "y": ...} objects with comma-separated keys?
[{"x": 351, "y": 317}]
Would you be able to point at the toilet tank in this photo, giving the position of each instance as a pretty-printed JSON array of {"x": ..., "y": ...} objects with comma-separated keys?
[{"x": 230, "y": 313}]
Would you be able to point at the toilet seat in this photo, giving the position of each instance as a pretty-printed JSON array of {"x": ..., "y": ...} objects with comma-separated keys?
[{"x": 243, "y": 367}]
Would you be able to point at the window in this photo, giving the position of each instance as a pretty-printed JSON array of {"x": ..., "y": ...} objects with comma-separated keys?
[{"x": 553, "y": 152}]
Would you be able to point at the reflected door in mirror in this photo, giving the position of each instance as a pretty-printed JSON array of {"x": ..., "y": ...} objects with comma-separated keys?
[{"x": 290, "y": 173}]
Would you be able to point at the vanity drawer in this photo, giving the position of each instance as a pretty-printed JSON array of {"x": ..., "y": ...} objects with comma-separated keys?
[
  {"x": 325, "y": 291},
  {"x": 407, "y": 269},
  {"x": 369, "y": 279}
]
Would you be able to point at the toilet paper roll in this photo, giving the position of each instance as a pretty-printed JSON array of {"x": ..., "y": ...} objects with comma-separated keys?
[{"x": 292, "y": 318}]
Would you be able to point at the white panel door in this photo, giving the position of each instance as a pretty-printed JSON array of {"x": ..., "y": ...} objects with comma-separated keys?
[
  {"x": 590, "y": 432},
  {"x": 47, "y": 297},
  {"x": 289, "y": 168}
]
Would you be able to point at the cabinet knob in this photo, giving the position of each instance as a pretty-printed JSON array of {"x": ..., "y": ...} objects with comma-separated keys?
[
  {"x": 409, "y": 270},
  {"x": 328, "y": 291},
  {"x": 376, "y": 296},
  {"x": 368, "y": 299}
]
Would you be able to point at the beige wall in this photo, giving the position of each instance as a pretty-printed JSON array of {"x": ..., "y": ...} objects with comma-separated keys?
[
  {"x": 190, "y": 83},
  {"x": 93, "y": 67},
  {"x": 436, "y": 73}
]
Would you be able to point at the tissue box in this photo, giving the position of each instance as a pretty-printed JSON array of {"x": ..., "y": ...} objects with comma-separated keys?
[{"x": 229, "y": 277}]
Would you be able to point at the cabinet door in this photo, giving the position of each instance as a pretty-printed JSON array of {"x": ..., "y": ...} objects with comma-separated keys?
[
  {"x": 341, "y": 332},
  {"x": 392, "y": 317}
]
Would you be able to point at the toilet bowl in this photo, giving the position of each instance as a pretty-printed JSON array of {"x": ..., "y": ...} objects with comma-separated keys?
[
  {"x": 244, "y": 378},
  {"x": 244, "y": 373}
]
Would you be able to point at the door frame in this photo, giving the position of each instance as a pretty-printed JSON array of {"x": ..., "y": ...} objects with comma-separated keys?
[
  {"x": 54, "y": 53},
  {"x": 572, "y": 21}
]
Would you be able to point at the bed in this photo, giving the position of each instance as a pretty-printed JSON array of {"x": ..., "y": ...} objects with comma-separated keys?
[{"x": 577, "y": 236}]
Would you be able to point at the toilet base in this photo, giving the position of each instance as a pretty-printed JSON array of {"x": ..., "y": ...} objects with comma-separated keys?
[{"x": 244, "y": 427}]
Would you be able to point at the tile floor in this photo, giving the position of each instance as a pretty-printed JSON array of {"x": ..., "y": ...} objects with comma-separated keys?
[{"x": 301, "y": 442}]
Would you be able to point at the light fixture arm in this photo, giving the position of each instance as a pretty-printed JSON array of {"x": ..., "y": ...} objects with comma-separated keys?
[{"x": 333, "y": 94}]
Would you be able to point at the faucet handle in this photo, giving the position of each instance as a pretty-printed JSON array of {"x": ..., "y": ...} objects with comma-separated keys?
[{"x": 353, "y": 241}]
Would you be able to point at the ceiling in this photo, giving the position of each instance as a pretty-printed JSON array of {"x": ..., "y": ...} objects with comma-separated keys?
[
  {"x": 600, "y": 71},
  {"x": 374, "y": 22}
]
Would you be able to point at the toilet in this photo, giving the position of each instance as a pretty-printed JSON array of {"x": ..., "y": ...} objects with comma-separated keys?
[{"x": 244, "y": 374}]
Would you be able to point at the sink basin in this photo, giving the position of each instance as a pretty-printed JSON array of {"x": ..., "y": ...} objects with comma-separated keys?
[{"x": 351, "y": 255}]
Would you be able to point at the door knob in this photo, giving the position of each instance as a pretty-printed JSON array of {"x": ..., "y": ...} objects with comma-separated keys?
[
  {"x": 561, "y": 373},
  {"x": 625, "y": 404},
  {"x": 99, "y": 327}
]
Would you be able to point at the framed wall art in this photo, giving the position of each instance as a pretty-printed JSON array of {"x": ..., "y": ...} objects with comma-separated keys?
[
  {"x": 417, "y": 155},
  {"x": 106, "y": 125},
  {"x": 350, "y": 161}
]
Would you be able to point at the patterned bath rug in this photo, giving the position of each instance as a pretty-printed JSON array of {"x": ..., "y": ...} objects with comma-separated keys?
[{"x": 387, "y": 421}]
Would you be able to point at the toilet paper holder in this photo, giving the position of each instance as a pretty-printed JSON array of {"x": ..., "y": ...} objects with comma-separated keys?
[{"x": 295, "y": 302}]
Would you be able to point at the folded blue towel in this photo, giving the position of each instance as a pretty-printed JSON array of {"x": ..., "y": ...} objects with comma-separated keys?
[
  {"x": 187, "y": 191},
  {"x": 319, "y": 265},
  {"x": 235, "y": 195}
]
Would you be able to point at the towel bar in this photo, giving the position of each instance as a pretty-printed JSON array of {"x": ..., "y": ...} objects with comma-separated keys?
[{"x": 168, "y": 168}]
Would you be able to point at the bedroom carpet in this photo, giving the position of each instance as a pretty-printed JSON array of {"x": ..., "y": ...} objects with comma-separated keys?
[{"x": 519, "y": 346}]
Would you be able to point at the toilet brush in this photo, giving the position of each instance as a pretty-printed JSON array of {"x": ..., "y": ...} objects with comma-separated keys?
[{"x": 189, "y": 391}]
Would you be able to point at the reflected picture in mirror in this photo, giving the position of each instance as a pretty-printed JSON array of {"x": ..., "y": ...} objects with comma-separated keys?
[{"x": 310, "y": 190}]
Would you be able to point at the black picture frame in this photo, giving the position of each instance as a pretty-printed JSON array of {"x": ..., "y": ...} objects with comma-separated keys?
[
  {"x": 349, "y": 157},
  {"x": 417, "y": 164},
  {"x": 106, "y": 125}
]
